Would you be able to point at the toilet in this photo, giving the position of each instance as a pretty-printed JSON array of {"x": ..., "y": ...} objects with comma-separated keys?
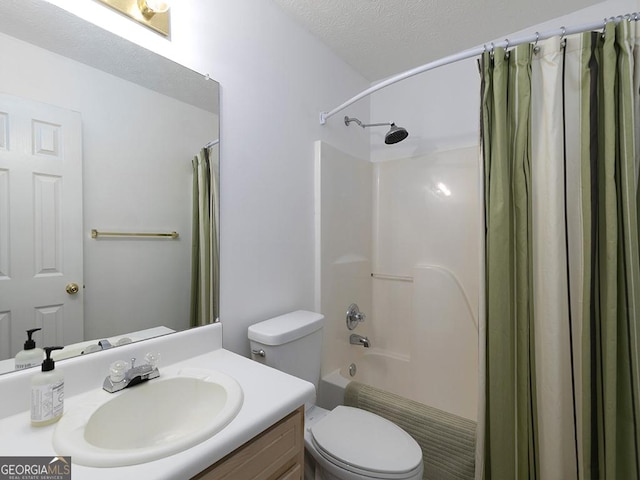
[{"x": 345, "y": 443}]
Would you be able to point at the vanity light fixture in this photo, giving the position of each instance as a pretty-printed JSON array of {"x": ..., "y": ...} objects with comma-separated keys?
[{"x": 153, "y": 14}]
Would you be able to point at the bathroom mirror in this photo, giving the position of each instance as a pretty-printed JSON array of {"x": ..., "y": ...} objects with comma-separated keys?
[{"x": 132, "y": 121}]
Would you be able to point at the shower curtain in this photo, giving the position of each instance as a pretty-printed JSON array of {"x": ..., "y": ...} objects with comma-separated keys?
[
  {"x": 205, "y": 262},
  {"x": 561, "y": 340}
]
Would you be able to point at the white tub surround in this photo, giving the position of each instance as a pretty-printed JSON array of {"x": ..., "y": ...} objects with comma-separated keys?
[
  {"x": 402, "y": 375},
  {"x": 269, "y": 395}
]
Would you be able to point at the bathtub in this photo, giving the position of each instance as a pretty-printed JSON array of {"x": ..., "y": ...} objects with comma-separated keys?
[
  {"x": 396, "y": 374},
  {"x": 379, "y": 369}
]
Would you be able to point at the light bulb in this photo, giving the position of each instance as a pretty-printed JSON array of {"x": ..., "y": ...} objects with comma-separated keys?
[
  {"x": 158, "y": 6},
  {"x": 150, "y": 7}
]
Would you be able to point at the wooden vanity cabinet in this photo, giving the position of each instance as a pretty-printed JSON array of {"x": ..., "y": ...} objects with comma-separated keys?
[{"x": 275, "y": 454}]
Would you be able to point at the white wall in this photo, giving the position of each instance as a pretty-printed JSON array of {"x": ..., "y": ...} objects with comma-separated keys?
[
  {"x": 275, "y": 79},
  {"x": 440, "y": 109}
]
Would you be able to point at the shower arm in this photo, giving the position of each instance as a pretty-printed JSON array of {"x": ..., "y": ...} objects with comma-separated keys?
[{"x": 348, "y": 120}]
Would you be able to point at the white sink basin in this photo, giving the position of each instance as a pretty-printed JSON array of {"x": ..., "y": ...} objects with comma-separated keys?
[{"x": 148, "y": 421}]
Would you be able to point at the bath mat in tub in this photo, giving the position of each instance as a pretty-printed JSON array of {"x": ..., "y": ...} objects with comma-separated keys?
[{"x": 447, "y": 440}]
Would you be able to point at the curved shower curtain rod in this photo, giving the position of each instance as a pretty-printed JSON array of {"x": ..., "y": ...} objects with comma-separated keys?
[{"x": 474, "y": 52}]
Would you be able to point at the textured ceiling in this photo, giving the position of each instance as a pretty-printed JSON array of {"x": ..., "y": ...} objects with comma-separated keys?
[{"x": 380, "y": 38}]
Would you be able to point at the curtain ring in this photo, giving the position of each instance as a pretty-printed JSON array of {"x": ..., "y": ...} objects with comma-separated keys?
[
  {"x": 536, "y": 48},
  {"x": 563, "y": 39},
  {"x": 492, "y": 51}
]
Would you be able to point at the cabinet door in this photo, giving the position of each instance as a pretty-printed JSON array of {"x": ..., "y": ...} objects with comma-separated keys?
[{"x": 276, "y": 453}]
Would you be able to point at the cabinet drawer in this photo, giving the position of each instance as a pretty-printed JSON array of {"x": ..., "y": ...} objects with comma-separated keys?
[
  {"x": 294, "y": 473},
  {"x": 273, "y": 454}
]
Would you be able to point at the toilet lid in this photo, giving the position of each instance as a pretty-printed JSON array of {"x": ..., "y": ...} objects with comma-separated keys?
[{"x": 366, "y": 441}]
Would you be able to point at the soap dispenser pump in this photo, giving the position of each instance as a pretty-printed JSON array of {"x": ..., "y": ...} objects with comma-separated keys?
[
  {"x": 47, "y": 392},
  {"x": 30, "y": 356}
]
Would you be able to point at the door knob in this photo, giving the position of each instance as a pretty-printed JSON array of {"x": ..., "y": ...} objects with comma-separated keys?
[{"x": 72, "y": 288}]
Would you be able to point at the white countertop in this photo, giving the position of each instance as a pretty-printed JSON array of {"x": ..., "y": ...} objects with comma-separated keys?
[{"x": 269, "y": 395}]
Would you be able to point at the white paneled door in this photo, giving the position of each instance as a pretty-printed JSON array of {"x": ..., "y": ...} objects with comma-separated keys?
[{"x": 40, "y": 224}]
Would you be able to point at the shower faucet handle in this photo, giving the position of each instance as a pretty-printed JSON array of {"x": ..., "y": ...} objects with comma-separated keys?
[{"x": 354, "y": 316}]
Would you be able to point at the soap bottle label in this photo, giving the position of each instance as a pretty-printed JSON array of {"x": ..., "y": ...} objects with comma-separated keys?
[{"x": 47, "y": 401}]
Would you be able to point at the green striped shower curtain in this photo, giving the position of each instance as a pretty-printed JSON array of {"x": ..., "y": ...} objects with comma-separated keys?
[
  {"x": 561, "y": 340},
  {"x": 205, "y": 269}
]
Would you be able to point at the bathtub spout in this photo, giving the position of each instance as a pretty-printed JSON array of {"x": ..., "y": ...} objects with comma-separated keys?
[{"x": 356, "y": 339}]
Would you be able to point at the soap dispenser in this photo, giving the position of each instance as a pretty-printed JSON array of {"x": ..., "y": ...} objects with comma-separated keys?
[
  {"x": 47, "y": 392},
  {"x": 30, "y": 356}
]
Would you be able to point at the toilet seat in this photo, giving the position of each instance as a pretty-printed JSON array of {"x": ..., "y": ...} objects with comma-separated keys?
[{"x": 366, "y": 444}]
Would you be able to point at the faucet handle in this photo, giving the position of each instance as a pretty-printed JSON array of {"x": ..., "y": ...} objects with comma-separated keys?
[
  {"x": 152, "y": 358},
  {"x": 354, "y": 316},
  {"x": 118, "y": 370}
]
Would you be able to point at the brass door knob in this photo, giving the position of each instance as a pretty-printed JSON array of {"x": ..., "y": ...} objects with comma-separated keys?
[{"x": 72, "y": 288}]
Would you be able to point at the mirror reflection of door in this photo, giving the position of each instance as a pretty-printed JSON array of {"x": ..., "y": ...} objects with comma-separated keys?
[{"x": 40, "y": 224}]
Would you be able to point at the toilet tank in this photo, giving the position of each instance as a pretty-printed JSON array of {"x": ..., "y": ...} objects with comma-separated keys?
[{"x": 291, "y": 343}]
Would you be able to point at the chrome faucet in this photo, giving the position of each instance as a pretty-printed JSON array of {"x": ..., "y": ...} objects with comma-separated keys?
[
  {"x": 356, "y": 339},
  {"x": 124, "y": 374}
]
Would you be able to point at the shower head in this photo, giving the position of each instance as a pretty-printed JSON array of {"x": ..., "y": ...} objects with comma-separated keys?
[{"x": 394, "y": 135}]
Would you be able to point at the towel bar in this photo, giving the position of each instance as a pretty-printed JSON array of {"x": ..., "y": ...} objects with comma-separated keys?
[
  {"x": 399, "y": 278},
  {"x": 95, "y": 234}
]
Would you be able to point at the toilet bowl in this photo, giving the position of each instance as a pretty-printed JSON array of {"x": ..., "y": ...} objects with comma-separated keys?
[
  {"x": 348, "y": 443},
  {"x": 345, "y": 443}
]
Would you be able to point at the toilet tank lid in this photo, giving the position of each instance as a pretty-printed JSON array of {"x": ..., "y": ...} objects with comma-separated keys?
[{"x": 286, "y": 328}]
